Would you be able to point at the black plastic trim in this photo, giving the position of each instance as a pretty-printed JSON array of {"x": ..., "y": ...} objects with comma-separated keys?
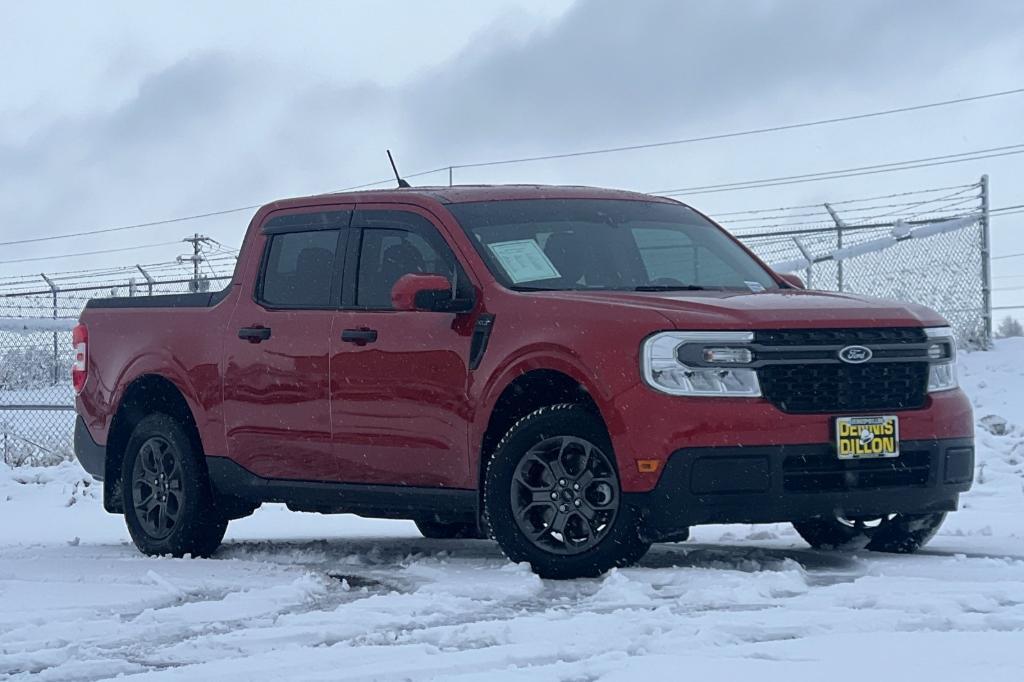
[
  {"x": 90, "y": 455},
  {"x": 481, "y": 336},
  {"x": 201, "y": 299},
  {"x": 380, "y": 501},
  {"x": 746, "y": 485}
]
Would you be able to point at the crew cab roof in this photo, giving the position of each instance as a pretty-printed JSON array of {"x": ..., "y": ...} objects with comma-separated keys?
[{"x": 467, "y": 193}]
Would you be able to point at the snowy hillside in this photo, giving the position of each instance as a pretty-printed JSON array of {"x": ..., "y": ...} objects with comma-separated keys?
[{"x": 341, "y": 598}]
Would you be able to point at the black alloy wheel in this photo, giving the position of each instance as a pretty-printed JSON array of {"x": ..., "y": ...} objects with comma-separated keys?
[
  {"x": 552, "y": 496},
  {"x": 170, "y": 506},
  {"x": 565, "y": 495},
  {"x": 158, "y": 495}
]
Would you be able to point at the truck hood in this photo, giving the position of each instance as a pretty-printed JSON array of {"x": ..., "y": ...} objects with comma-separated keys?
[{"x": 789, "y": 308}]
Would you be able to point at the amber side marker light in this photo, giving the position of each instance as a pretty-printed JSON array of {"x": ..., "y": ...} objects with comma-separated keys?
[{"x": 647, "y": 466}]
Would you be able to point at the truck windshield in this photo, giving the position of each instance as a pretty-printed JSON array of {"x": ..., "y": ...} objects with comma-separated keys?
[{"x": 606, "y": 244}]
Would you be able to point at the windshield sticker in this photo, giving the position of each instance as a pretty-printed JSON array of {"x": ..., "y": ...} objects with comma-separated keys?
[
  {"x": 524, "y": 261},
  {"x": 756, "y": 287}
]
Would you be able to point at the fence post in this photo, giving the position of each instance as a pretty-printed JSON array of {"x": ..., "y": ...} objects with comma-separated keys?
[
  {"x": 986, "y": 271},
  {"x": 810, "y": 261},
  {"x": 839, "y": 242},
  {"x": 149, "y": 280},
  {"x": 53, "y": 291},
  {"x": 450, "y": 173}
]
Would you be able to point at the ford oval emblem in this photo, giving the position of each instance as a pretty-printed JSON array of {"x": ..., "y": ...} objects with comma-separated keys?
[{"x": 855, "y": 355}]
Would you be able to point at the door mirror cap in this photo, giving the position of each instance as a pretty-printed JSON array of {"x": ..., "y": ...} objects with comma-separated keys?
[
  {"x": 793, "y": 280},
  {"x": 431, "y": 293}
]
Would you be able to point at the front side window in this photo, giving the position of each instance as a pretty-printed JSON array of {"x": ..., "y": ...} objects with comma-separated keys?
[
  {"x": 397, "y": 243},
  {"x": 608, "y": 244},
  {"x": 299, "y": 268}
]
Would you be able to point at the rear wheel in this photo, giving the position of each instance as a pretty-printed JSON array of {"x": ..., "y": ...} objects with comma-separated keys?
[
  {"x": 896, "y": 533},
  {"x": 552, "y": 496},
  {"x": 436, "y": 530},
  {"x": 168, "y": 503}
]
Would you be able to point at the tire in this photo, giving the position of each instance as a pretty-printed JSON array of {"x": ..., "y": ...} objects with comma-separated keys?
[
  {"x": 546, "y": 453},
  {"x": 896, "y": 533},
  {"x": 436, "y": 530},
  {"x": 169, "y": 505}
]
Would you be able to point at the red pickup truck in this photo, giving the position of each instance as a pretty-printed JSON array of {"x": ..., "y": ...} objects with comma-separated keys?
[{"x": 574, "y": 372}]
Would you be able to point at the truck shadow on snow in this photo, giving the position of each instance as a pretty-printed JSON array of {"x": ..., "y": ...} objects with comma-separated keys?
[{"x": 352, "y": 559}]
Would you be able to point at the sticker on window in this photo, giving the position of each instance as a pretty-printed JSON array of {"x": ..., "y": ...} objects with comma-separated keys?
[
  {"x": 755, "y": 287},
  {"x": 524, "y": 261}
]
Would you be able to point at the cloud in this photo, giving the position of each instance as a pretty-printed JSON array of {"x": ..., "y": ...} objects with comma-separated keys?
[
  {"x": 216, "y": 129},
  {"x": 610, "y": 70}
]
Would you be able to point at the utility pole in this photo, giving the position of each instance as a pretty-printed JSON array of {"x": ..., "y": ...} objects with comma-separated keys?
[{"x": 197, "y": 240}]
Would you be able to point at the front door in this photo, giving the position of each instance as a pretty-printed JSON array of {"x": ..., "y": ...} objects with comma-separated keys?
[
  {"x": 277, "y": 359},
  {"x": 399, "y": 378}
]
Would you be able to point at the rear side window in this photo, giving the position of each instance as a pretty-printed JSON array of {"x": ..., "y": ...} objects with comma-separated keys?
[{"x": 299, "y": 269}]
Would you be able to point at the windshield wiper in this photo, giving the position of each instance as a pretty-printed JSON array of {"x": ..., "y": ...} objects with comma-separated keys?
[{"x": 670, "y": 287}]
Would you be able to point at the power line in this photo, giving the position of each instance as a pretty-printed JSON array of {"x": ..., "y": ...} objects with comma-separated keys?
[
  {"x": 608, "y": 150},
  {"x": 169, "y": 221},
  {"x": 121, "y": 228},
  {"x": 85, "y": 253},
  {"x": 849, "y": 172},
  {"x": 849, "y": 201},
  {"x": 742, "y": 133}
]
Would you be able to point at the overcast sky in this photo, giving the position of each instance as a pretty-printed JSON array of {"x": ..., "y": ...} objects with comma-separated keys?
[{"x": 115, "y": 113}]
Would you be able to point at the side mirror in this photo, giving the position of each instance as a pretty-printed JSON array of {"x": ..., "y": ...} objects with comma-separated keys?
[
  {"x": 794, "y": 280},
  {"x": 432, "y": 293}
]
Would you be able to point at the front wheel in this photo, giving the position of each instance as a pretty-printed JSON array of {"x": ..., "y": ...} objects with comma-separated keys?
[
  {"x": 552, "y": 496},
  {"x": 894, "y": 533},
  {"x": 169, "y": 507}
]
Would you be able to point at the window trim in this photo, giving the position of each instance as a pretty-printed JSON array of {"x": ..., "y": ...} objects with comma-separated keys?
[
  {"x": 337, "y": 273},
  {"x": 353, "y": 256}
]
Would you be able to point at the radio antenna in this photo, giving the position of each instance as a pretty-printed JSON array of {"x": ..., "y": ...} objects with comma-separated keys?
[{"x": 401, "y": 183}]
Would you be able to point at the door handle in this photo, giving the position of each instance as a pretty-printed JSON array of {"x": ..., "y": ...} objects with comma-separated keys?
[
  {"x": 254, "y": 334},
  {"x": 360, "y": 337}
]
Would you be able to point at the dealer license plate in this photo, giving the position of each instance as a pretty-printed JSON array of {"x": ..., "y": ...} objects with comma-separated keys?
[{"x": 865, "y": 437}]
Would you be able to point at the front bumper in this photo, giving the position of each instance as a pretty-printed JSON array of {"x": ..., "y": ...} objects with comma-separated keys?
[{"x": 796, "y": 482}]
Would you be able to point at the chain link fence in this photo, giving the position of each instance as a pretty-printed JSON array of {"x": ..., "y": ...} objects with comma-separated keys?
[
  {"x": 36, "y": 400},
  {"x": 946, "y": 271}
]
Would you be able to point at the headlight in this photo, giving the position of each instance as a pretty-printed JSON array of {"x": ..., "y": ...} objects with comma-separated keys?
[
  {"x": 663, "y": 370},
  {"x": 942, "y": 353}
]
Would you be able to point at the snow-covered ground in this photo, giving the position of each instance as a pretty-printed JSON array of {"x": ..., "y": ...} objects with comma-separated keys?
[{"x": 293, "y": 596}]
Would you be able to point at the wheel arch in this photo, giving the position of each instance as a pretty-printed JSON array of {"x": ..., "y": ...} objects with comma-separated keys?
[
  {"x": 525, "y": 393},
  {"x": 146, "y": 394}
]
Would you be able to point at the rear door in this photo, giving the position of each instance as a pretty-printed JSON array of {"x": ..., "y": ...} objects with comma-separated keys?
[
  {"x": 276, "y": 379},
  {"x": 399, "y": 378}
]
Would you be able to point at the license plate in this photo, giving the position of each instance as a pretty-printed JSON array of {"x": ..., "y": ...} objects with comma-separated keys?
[{"x": 865, "y": 437}]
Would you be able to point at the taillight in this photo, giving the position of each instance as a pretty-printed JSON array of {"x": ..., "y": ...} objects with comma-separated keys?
[{"x": 80, "y": 366}]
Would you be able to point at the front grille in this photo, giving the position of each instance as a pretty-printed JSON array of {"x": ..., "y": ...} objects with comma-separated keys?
[
  {"x": 800, "y": 370},
  {"x": 845, "y": 388},
  {"x": 826, "y": 473}
]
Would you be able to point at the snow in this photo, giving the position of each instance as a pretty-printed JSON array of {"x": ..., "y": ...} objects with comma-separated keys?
[
  {"x": 296, "y": 596},
  {"x": 41, "y": 324}
]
